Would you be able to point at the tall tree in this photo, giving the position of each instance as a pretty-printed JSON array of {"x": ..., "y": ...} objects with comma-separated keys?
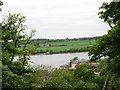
[
  {"x": 109, "y": 45},
  {"x": 15, "y": 73}
]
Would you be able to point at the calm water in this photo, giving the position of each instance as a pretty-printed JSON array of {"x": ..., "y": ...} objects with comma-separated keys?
[{"x": 56, "y": 59}]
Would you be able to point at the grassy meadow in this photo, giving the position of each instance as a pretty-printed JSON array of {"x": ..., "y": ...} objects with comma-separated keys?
[
  {"x": 61, "y": 45},
  {"x": 66, "y": 46}
]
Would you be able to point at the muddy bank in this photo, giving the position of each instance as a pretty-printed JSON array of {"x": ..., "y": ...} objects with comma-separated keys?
[{"x": 50, "y": 53}]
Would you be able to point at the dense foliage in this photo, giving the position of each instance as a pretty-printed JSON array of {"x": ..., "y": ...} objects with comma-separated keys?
[
  {"x": 15, "y": 74},
  {"x": 109, "y": 46},
  {"x": 83, "y": 77}
]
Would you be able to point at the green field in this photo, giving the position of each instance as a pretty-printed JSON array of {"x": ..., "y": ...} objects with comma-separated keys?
[
  {"x": 66, "y": 46},
  {"x": 61, "y": 45}
]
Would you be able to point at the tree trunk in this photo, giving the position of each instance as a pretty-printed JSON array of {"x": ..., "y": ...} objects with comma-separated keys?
[
  {"x": 110, "y": 25},
  {"x": 105, "y": 87}
]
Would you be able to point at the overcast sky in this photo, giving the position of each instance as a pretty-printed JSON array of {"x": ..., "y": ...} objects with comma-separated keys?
[{"x": 60, "y": 18}]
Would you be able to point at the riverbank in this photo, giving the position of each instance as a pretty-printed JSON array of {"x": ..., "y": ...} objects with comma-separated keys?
[{"x": 50, "y": 53}]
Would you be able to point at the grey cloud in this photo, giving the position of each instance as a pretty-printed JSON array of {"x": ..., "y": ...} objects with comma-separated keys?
[{"x": 60, "y": 18}]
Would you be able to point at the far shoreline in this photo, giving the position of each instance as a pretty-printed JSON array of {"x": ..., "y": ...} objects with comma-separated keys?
[{"x": 52, "y": 53}]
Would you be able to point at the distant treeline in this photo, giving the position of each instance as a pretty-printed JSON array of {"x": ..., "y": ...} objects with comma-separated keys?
[{"x": 67, "y": 39}]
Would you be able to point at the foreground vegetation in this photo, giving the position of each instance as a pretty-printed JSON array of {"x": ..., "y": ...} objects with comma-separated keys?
[
  {"x": 19, "y": 75},
  {"x": 67, "y": 78},
  {"x": 83, "y": 77}
]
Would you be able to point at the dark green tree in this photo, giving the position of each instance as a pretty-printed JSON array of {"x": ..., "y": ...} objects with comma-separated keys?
[
  {"x": 84, "y": 76},
  {"x": 110, "y": 13},
  {"x": 109, "y": 46},
  {"x": 15, "y": 73},
  {"x": 47, "y": 77}
]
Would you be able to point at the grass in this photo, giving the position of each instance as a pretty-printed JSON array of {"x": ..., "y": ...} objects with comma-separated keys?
[{"x": 64, "y": 46}]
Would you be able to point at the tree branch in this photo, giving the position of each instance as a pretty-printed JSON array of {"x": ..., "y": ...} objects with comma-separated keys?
[
  {"x": 110, "y": 25},
  {"x": 105, "y": 87}
]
